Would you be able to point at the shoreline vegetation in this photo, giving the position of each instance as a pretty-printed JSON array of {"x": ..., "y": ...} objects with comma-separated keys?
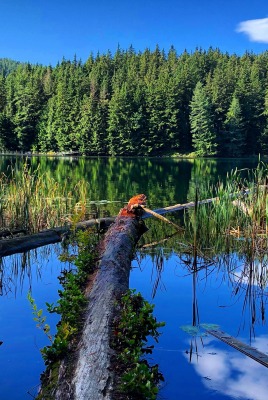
[
  {"x": 149, "y": 103},
  {"x": 76, "y": 154}
]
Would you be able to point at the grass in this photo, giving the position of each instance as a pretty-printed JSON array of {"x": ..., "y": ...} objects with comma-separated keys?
[
  {"x": 232, "y": 232},
  {"x": 239, "y": 211},
  {"x": 33, "y": 201}
]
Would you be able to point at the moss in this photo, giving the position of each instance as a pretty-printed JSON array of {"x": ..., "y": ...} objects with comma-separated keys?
[{"x": 49, "y": 380}]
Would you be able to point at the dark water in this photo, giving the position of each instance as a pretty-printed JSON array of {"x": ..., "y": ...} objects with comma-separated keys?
[{"x": 193, "y": 366}]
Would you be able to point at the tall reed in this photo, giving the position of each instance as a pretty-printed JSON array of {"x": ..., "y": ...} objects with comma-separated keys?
[
  {"x": 35, "y": 201},
  {"x": 238, "y": 212}
]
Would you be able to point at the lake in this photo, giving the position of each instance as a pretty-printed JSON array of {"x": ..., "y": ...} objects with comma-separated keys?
[{"x": 220, "y": 293}]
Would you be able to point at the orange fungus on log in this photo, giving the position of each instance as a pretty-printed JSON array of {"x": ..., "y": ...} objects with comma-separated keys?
[{"x": 131, "y": 209}]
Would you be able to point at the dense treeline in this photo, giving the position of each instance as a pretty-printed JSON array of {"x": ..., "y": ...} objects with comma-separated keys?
[
  {"x": 147, "y": 103},
  {"x": 7, "y": 65}
]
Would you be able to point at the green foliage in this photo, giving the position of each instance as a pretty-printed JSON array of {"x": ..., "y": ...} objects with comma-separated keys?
[
  {"x": 39, "y": 318},
  {"x": 71, "y": 302},
  {"x": 235, "y": 137},
  {"x": 136, "y": 103},
  {"x": 199, "y": 330},
  {"x": 34, "y": 200},
  {"x": 235, "y": 221},
  {"x": 60, "y": 345},
  {"x": 204, "y": 138},
  {"x": 139, "y": 380},
  {"x": 7, "y": 66}
]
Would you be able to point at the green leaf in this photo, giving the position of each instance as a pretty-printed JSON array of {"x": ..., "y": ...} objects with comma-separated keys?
[
  {"x": 209, "y": 326},
  {"x": 190, "y": 329}
]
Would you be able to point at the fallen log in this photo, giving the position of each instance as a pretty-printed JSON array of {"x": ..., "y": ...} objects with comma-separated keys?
[
  {"x": 93, "y": 377},
  {"x": 55, "y": 235},
  {"x": 178, "y": 207},
  {"x": 6, "y": 232},
  {"x": 48, "y": 236},
  {"x": 191, "y": 204},
  {"x": 249, "y": 351}
]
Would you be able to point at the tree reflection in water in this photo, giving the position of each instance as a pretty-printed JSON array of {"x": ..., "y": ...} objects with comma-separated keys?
[{"x": 232, "y": 290}]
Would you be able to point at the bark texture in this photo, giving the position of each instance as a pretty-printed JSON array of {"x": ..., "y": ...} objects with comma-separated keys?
[
  {"x": 93, "y": 377},
  {"x": 43, "y": 238}
]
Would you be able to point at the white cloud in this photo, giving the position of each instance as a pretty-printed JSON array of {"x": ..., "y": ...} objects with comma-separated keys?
[
  {"x": 232, "y": 373},
  {"x": 256, "y": 29}
]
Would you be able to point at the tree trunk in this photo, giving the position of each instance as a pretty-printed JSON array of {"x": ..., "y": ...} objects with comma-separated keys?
[
  {"x": 43, "y": 238},
  {"x": 93, "y": 377}
]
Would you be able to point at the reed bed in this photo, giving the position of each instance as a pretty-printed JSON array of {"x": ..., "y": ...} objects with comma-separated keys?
[
  {"x": 237, "y": 219},
  {"x": 231, "y": 233},
  {"x": 33, "y": 201}
]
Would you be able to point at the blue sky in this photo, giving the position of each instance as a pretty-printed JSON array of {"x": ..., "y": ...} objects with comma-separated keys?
[{"x": 45, "y": 31}]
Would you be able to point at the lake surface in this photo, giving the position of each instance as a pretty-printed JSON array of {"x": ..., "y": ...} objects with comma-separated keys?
[{"x": 194, "y": 366}]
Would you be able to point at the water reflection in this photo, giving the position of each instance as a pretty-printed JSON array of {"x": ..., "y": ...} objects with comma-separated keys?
[
  {"x": 250, "y": 284},
  {"x": 20, "y": 359},
  {"x": 247, "y": 278},
  {"x": 183, "y": 293},
  {"x": 18, "y": 271},
  {"x": 247, "y": 282},
  {"x": 164, "y": 181},
  {"x": 230, "y": 373},
  {"x": 191, "y": 290}
]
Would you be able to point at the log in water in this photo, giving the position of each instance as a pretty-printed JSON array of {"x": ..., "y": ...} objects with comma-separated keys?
[
  {"x": 93, "y": 376},
  {"x": 49, "y": 236},
  {"x": 249, "y": 351}
]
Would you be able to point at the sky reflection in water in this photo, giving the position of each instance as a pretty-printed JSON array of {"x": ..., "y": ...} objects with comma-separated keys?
[
  {"x": 229, "y": 372},
  {"x": 20, "y": 359},
  {"x": 215, "y": 370}
]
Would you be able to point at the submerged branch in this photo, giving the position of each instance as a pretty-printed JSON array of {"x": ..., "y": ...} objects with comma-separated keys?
[
  {"x": 157, "y": 215},
  {"x": 249, "y": 351}
]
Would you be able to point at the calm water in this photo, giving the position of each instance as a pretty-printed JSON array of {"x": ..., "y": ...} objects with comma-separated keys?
[{"x": 193, "y": 366}]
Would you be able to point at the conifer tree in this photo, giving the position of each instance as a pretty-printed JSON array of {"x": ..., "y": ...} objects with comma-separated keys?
[
  {"x": 264, "y": 133},
  {"x": 123, "y": 122},
  {"x": 27, "y": 102},
  {"x": 203, "y": 135},
  {"x": 235, "y": 134},
  {"x": 144, "y": 102}
]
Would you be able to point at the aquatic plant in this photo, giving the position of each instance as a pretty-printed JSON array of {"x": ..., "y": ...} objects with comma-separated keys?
[
  {"x": 72, "y": 298},
  {"x": 34, "y": 201},
  {"x": 198, "y": 330},
  {"x": 236, "y": 219},
  {"x": 231, "y": 232},
  {"x": 137, "y": 378}
]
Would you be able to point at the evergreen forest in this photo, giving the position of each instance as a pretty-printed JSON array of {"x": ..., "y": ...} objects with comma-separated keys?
[{"x": 138, "y": 103}]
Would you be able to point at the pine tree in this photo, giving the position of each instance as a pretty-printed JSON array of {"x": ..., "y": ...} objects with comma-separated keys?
[
  {"x": 250, "y": 92},
  {"x": 203, "y": 135},
  {"x": 235, "y": 133},
  {"x": 124, "y": 122},
  {"x": 220, "y": 85},
  {"x": 264, "y": 133},
  {"x": 26, "y": 105}
]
